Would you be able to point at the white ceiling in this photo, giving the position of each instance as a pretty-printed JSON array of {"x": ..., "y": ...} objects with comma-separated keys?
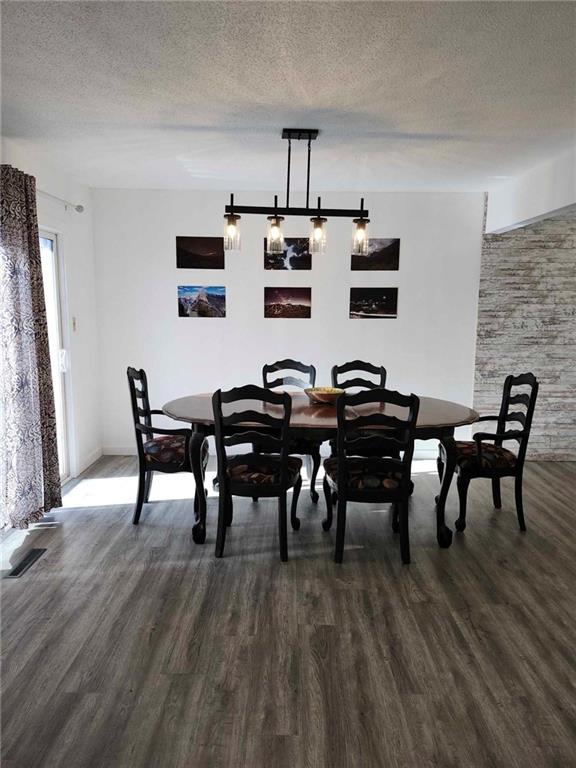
[{"x": 195, "y": 94}]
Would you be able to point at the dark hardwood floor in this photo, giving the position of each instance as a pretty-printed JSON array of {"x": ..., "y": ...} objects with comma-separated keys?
[{"x": 128, "y": 646}]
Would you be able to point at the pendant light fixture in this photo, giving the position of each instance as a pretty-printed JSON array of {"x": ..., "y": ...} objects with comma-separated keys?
[
  {"x": 274, "y": 234},
  {"x": 275, "y": 215},
  {"x": 317, "y": 239},
  {"x": 231, "y": 229},
  {"x": 360, "y": 235}
]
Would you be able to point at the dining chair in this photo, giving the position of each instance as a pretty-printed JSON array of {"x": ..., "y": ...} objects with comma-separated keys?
[
  {"x": 169, "y": 452},
  {"x": 280, "y": 374},
  {"x": 485, "y": 456},
  {"x": 378, "y": 372},
  {"x": 356, "y": 474},
  {"x": 359, "y": 369},
  {"x": 273, "y": 472}
]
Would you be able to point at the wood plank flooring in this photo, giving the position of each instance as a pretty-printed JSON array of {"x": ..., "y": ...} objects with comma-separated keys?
[{"x": 128, "y": 646}]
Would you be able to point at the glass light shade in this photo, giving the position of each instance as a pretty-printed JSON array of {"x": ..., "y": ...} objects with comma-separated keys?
[
  {"x": 274, "y": 235},
  {"x": 231, "y": 232},
  {"x": 317, "y": 237},
  {"x": 360, "y": 237}
]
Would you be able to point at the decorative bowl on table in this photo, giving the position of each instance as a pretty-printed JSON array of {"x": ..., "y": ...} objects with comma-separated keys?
[{"x": 323, "y": 395}]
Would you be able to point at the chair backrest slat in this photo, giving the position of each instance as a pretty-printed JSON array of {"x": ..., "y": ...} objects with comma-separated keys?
[
  {"x": 517, "y": 416},
  {"x": 288, "y": 380},
  {"x": 375, "y": 420},
  {"x": 252, "y": 417},
  {"x": 267, "y": 442},
  {"x": 363, "y": 443},
  {"x": 359, "y": 366}
]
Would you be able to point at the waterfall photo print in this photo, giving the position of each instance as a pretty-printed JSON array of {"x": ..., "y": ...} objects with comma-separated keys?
[{"x": 294, "y": 256}]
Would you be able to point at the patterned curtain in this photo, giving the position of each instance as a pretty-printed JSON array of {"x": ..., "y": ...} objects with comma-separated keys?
[{"x": 29, "y": 476}]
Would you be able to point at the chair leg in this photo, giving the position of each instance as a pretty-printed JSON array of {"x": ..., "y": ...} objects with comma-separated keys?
[
  {"x": 402, "y": 507},
  {"x": 395, "y": 517},
  {"x": 282, "y": 527},
  {"x": 229, "y": 510},
  {"x": 440, "y": 468},
  {"x": 140, "y": 496},
  {"x": 148, "y": 486},
  {"x": 315, "y": 467},
  {"x": 327, "y": 522},
  {"x": 294, "y": 521},
  {"x": 519, "y": 505},
  {"x": 340, "y": 529},
  {"x": 221, "y": 532},
  {"x": 255, "y": 449},
  {"x": 462, "y": 485},
  {"x": 496, "y": 497}
]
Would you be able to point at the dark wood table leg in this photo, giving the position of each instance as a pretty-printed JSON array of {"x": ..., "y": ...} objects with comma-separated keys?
[
  {"x": 195, "y": 449},
  {"x": 443, "y": 533}
]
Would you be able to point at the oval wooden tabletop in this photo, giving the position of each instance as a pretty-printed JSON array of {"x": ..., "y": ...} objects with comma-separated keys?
[{"x": 197, "y": 409}]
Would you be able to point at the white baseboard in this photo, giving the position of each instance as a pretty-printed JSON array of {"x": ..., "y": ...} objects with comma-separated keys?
[
  {"x": 119, "y": 450},
  {"x": 87, "y": 461},
  {"x": 423, "y": 450}
]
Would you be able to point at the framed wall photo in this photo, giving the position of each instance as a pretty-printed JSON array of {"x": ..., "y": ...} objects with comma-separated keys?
[
  {"x": 201, "y": 301},
  {"x": 373, "y": 303},
  {"x": 296, "y": 255},
  {"x": 199, "y": 252},
  {"x": 383, "y": 254},
  {"x": 288, "y": 302}
]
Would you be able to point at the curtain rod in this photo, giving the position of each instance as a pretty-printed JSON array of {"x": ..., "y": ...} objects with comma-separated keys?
[{"x": 77, "y": 208}]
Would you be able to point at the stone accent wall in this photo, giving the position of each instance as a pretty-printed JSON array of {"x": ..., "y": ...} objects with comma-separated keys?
[{"x": 527, "y": 322}]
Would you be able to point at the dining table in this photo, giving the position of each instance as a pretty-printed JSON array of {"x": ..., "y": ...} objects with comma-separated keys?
[{"x": 437, "y": 420}]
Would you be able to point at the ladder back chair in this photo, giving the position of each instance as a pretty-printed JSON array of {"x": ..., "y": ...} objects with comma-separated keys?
[
  {"x": 356, "y": 474},
  {"x": 272, "y": 472},
  {"x": 485, "y": 456},
  {"x": 163, "y": 450},
  {"x": 378, "y": 372},
  {"x": 280, "y": 374},
  {"x": 378, "y": 381}
]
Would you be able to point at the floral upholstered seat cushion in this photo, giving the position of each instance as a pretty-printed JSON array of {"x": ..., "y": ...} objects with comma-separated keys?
[
  {"x": 493, "y": 457},
  {"x": 171, "y": 449},
  {"x": 363, "y": 478},
  {"x": 256, "y": 469}
]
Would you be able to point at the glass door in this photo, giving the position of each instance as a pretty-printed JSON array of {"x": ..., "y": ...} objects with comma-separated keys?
[{"x": 58, "y": 354}]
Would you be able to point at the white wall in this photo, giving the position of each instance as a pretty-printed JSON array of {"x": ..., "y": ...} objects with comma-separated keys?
[
  {"x": 429, "y": 349},
  {"x": 77, "y": 254},
  {"x": 534, "y": 195}
]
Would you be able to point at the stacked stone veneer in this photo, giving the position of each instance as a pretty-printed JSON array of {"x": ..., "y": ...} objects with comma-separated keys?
[{"x": 527, "y": 322}]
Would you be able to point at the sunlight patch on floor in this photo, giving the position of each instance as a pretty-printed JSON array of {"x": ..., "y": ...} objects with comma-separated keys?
[{"x": 107, "y": 491}]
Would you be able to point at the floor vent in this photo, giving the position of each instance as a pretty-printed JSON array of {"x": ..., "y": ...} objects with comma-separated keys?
[{"x": 25, "y": 564}]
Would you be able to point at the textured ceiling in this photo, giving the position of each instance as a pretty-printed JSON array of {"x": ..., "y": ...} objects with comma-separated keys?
[{"x": 195, "y": 94}]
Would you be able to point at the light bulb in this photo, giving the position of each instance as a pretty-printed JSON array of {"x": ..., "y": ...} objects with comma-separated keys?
[
  {"x": 274, "y": 232},
  {"x": 317, "y": 236},
  {"x": 231, "y": 232},
  {"x": 360, "y": 237}
]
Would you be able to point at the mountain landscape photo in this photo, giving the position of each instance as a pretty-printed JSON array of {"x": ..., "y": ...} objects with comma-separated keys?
[
  {"x": 383, "y": 254},
  {"x": 375, "y": 303},
  {"x": 200, "y": 253},
  {"x": 200, "y": 301},
  {"x": 288, "y": 302}
]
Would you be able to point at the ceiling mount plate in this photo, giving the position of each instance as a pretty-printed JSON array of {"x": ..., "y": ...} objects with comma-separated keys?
[{"x": 308, "y": 134}]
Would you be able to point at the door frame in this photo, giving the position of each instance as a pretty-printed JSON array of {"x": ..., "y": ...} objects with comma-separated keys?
[{"x": 53, "y": 233}]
